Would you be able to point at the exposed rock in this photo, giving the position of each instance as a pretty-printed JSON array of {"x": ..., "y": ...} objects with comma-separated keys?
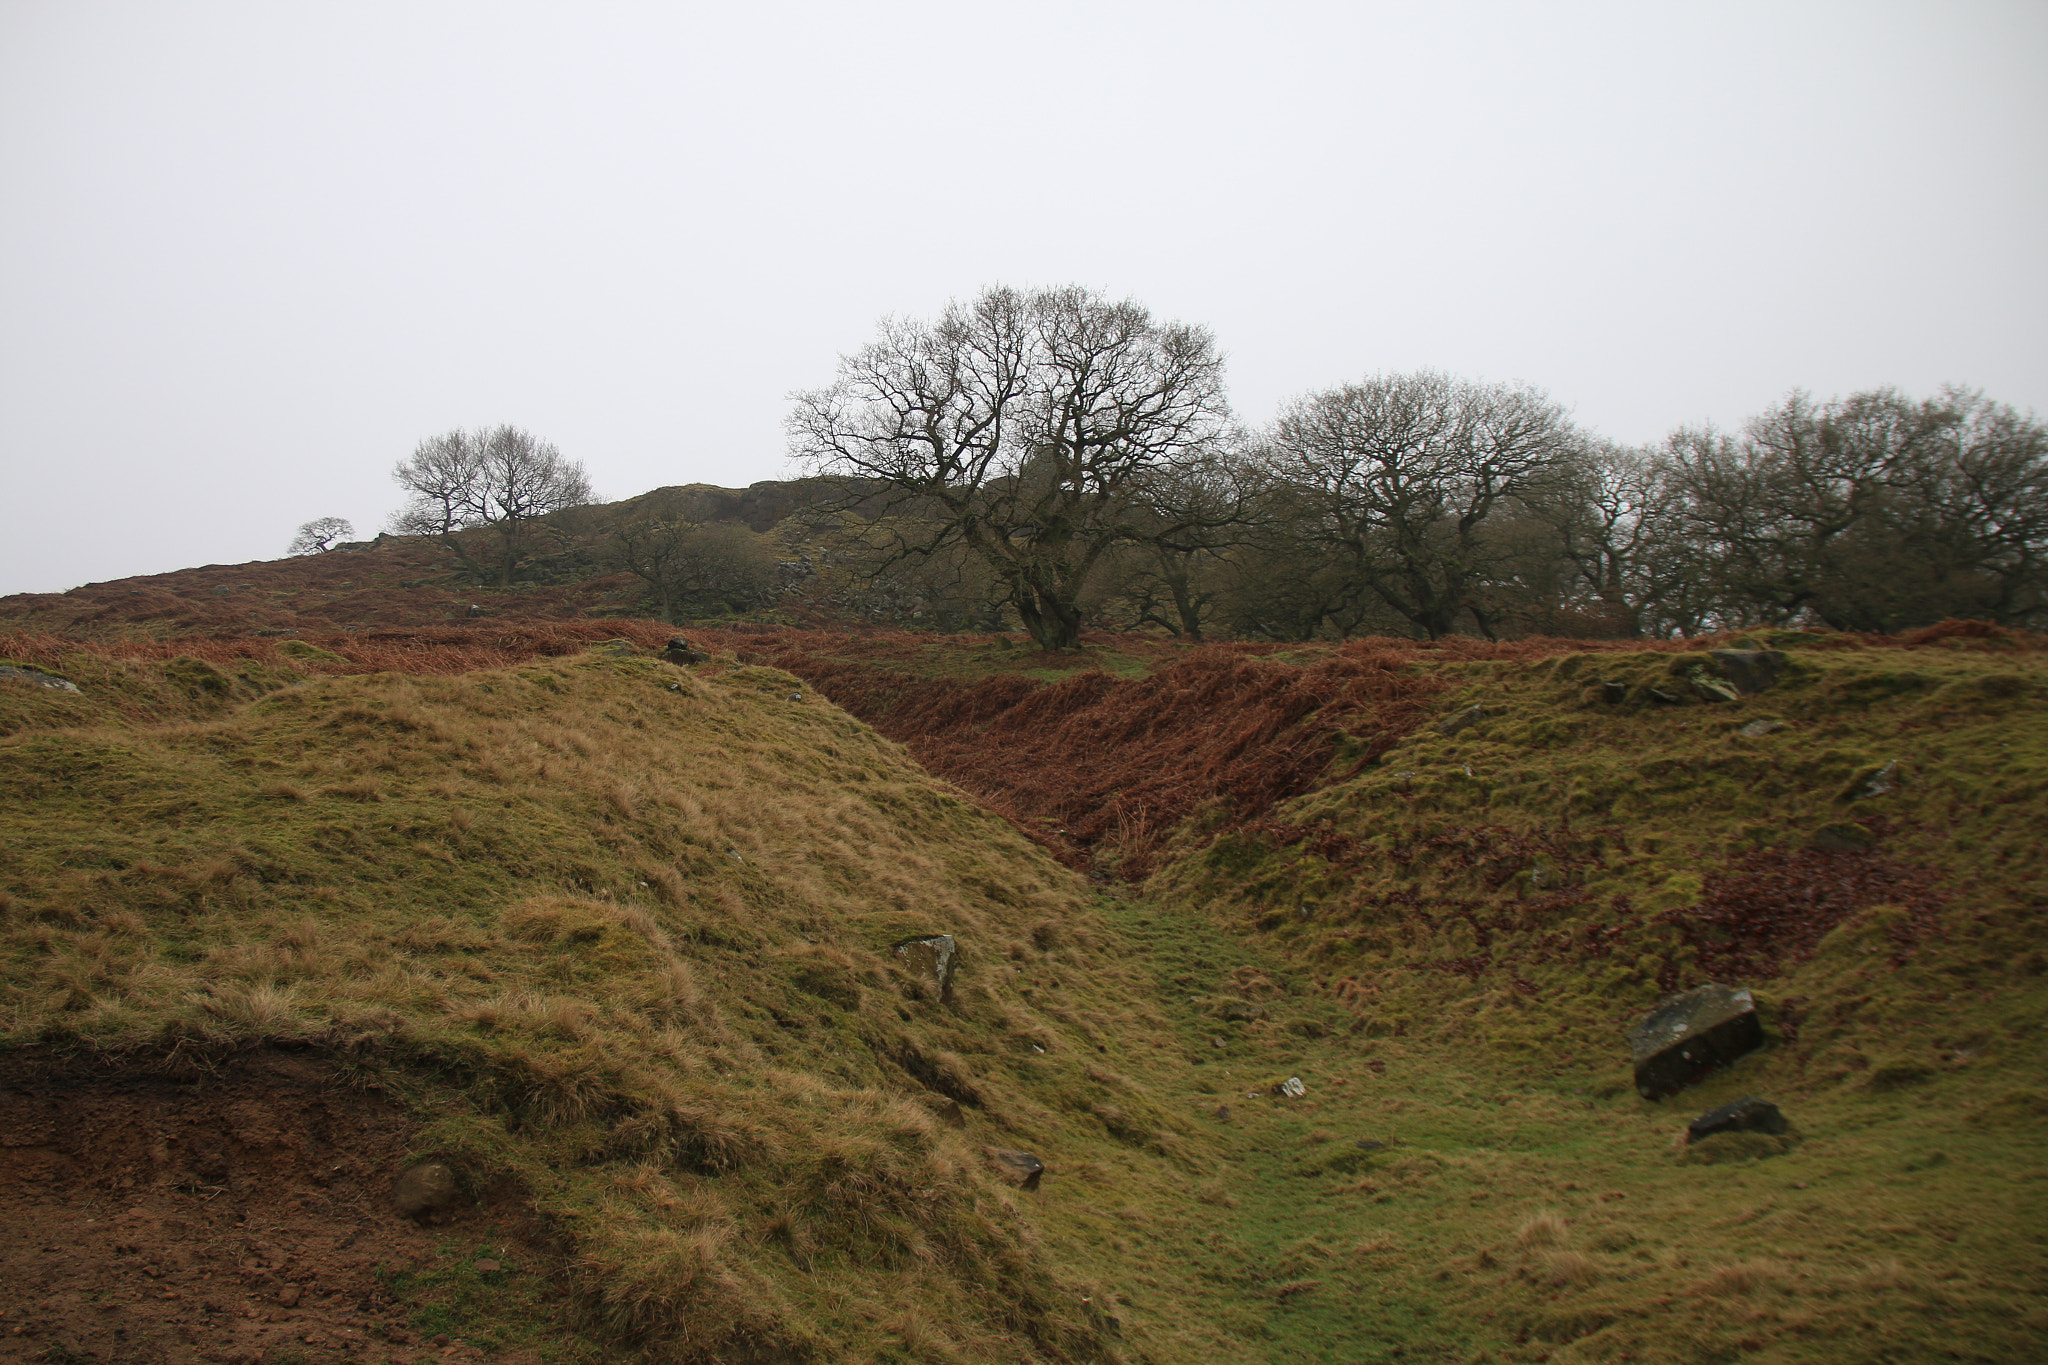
[
  {"x": 1840, "y": 838},
  {"x": 1663, "y": 698},
  {"x": 424, "y": 1190},
  {"x": 1757, "y": 729},
  {"x": 222, "y": 591},
  {"x": 796, "y": 696},
  {"x": 1750, "y": 670},
  {"x": 1709, "y": 687},
  {"x": 475, "y": 609},
  {"x": 932, "y": 956},
  {"x": 1613, "y": 693},
  {"x": 1691, "y": 1036},
  {"x": 1019, "y": 1168},
  {"x": 1747, "y": 1115},
  {"x": 1887, "y": 778},
  {"x": 1223, "y": 1113},
  {"x": 1291, "y": 1088},
  {"x": 681, "y": 651},
  {"x": 38, "y": 677},
  {"x": 1464, "y": 720}
]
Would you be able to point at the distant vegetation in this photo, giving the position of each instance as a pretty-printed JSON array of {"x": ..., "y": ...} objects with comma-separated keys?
[{"x": 1050, "y": 461}]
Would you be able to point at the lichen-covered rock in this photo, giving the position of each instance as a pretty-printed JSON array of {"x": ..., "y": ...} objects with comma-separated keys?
[
  {"x": 932, "y": 956},
  {"x": 1690, "y": 1036},
  {"x": 36, "y": 675}
]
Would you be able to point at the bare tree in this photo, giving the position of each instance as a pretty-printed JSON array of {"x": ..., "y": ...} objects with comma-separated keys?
[
  {"x": 319, "y": 535},
  {"x": 694, "y": 565},
  {"x": 1400, "y": 474},
  {"x": 500, "y": 480},
  {"x": 1872, "y": 512},
  {"x": 1032, "y": 429}
]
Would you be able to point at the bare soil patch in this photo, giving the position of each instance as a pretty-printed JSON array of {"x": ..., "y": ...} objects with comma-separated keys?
[{"x": 239, "y": 1214}]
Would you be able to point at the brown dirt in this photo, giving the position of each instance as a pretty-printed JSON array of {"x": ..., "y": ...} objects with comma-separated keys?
[{"x": 238, "y": 1214}]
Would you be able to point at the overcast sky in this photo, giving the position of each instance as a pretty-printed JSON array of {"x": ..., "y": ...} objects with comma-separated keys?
[{"x": 250, "y": 254}]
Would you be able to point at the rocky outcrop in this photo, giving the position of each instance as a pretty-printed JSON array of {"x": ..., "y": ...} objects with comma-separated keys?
[
  {"x": 681, "y": 651},
  {"x": 38, "y": 677}
]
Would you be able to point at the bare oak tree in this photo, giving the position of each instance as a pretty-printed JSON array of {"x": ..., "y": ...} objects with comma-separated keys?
[
  {"x": 501, "y": 480},
  {"x": 1036, "y": 430},
  {"x": 319, "y": 535},
  {"x": 1399, "y": 475}
]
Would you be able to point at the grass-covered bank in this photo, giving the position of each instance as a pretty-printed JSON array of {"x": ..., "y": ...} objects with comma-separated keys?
[
  {"x": 621, "y": 936},
  {"x": 1493, "y": 900}
]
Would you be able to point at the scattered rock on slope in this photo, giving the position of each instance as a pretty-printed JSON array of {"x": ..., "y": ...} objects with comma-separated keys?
[
  {"x": 1691, "y": 1036},
  {"x": 1747, "y": 1115}
]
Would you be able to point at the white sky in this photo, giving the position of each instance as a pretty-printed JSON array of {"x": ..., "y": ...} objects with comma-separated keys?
[{"x": 250, "y": 254}]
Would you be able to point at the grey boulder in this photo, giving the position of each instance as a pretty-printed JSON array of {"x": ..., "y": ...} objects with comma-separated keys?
[{"x": 1690, "y": 1036}]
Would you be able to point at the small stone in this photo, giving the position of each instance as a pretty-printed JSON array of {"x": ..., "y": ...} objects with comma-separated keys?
[
  {"x": 1020, "y": 1168},
  {"x": 1747, "y": 1115},
  {"x": 681, "y": 652},
  {"x": 289, "y": 1295},
  {"x": 1223, "y": 1113},
  {"x": 796, "y": 696},
  {"x": 424, "y": 1190},
  {"x": 1613, "y": 693},
  {"x": 1692, "y": 1035},
  {"x": 1757, "y": 729},
  {"x": 1291, "y": 1088}
]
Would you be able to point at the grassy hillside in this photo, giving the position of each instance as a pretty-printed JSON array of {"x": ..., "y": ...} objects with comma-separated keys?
[
  {"x": 1503, "y": 891},
  {"x": 614, "y": 941},
  {"x": 620, "y": 936}
]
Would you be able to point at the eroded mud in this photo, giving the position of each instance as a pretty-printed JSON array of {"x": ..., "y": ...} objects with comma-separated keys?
[{"x": 240, "y": 1214}]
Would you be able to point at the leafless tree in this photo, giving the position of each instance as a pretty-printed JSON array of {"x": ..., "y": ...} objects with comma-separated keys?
[
  {"x": 1033, "y": 429},
  {"x": 1872, "y": 512},
  {"x": 696, "y": 565},
  {"x": 1399, "y": 475},
  {"x": 319, "y": 535},
  {"x": 501, "y": 480}
]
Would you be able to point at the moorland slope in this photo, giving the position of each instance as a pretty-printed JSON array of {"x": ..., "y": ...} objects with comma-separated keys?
[{"x": 613, "y": 941}]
